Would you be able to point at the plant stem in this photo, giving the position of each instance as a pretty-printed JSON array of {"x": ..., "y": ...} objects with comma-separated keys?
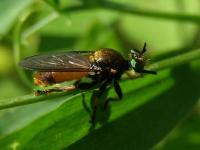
[
  {"x": 39, "y": 25},
  {"x": 17, "y": 47},
  {"x": 135, "y": 11},
  {"x": 176, "y": 60}
]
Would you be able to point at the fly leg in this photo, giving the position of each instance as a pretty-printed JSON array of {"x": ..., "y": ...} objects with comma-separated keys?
[
  {"x": 95, "y": 100},
  {"x": 83, "y": 85},
  {"x": 94, "y": 104},
  {"x": 87, "y": 109},
  {"x": 117, "y": 90},
  {"x": 149, "y": 72},
  {"x": 56, "y": 89}
]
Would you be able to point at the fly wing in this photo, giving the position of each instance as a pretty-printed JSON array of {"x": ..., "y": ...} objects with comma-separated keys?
[{"x": 67, "y": 62}]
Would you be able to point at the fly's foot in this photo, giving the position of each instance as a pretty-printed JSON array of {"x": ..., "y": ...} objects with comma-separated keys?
[{"x": 40, "y": 92}]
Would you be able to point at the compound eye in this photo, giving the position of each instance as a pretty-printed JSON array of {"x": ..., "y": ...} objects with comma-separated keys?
[
  {"x": 132, "y": 51},
  {"x": 135, "y": 55}
]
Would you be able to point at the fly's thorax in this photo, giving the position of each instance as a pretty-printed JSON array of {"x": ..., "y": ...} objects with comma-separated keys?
[
  {"x": 107, "y": 63},
  {"x": 109, "y": 58}
]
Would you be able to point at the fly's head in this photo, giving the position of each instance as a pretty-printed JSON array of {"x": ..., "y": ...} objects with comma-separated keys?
[{"x": 137, "y": 60}]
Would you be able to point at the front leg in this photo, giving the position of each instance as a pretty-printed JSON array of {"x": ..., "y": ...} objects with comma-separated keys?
[
  {"x": 118, "y": 91},
  {"x": 149, "y": 72}
]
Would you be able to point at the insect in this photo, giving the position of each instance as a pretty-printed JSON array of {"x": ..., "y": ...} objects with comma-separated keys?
[{"x": 104, "y": 67}]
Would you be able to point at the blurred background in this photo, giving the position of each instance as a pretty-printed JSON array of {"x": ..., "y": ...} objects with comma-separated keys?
[{"x": 33, "y": 26}]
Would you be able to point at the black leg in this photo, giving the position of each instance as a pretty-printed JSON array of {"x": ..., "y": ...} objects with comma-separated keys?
[
  {"x": 103, "y": 87},
  {"x": 95, "y": 97},
  {"x": 108, "y": 101},
  {"x": 95, "y": 100},
  {"x": 93, "y": 116},
  {"x": 92, "y": 111},
  {"x": 145, "y": 71},
  {"x": 118, "y": 91},
  {"x": 149, "y": 72},
  {"x": 94, "y": 105},
  {"x": 87, "y": 109},
  {"x": 93, "y": 119}
]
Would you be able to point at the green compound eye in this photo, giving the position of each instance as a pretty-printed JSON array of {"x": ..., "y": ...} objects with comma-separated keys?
[
  {"x": 135, "y": 54},
  {"x": 132, "y": 51},
  {"x": 133, "y": 63}
]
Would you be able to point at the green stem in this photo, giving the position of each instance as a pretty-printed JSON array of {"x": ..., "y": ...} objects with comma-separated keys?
[
  {"x": 167, "y": 63},
  {"x": 135, "y": 11},
  {"x": 17, "y": 48},
  {"x": 39, "y": 25},
  {"x": 176, "y": 60}
]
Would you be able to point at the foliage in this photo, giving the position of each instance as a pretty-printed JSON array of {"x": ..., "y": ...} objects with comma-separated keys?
[{"x": 152, "y": 105}]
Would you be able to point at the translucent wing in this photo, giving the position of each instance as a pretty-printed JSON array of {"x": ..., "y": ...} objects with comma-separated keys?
[{"x": 70, "y": 61}]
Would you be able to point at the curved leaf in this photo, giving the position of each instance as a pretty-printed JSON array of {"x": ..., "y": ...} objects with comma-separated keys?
[{"x": 142, "y": 119}]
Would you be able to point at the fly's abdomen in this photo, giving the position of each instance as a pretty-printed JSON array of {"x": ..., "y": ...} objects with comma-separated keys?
[
  {"x": 68, "y": 76},
  {"x": 50, "y": 78}
]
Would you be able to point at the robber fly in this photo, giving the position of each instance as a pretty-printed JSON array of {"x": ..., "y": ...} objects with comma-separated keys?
[{"x": 104, "y": 67}]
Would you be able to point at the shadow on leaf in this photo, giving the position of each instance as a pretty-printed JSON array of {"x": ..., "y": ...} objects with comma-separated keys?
[{"x": 142, "y": 128}]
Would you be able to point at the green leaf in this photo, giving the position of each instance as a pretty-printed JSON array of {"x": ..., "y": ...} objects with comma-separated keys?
[
  {"x": 147, "y": 113},
  {"x": 152, "y": 106},
  {"x": 31, "y": 98}
]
